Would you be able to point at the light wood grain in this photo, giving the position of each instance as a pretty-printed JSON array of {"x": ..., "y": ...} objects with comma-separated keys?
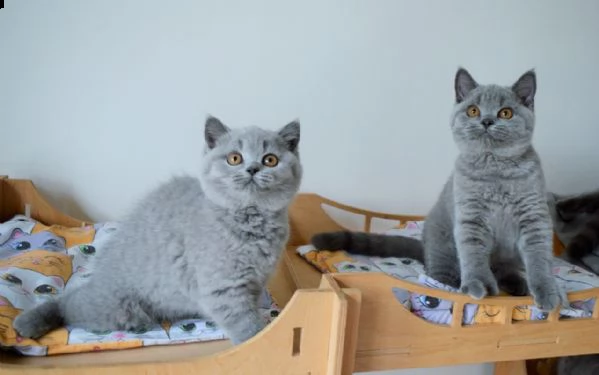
[
  {"x": 510, "y": 368},
  {"x": 315, "y": 312},
  {"x": 354, "y": 301},
  {"x": 391, "y": 337},
  {"x": 17, "y": 193},
  {"x": 320, "y": 315}
]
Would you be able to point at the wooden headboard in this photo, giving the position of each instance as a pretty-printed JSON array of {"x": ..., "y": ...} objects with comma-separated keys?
[{"x": 16, "y": 195}]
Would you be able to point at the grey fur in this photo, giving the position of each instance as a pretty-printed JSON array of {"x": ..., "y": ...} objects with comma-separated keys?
[
  {"x": 491, "y": 225},
  {"x": 578, "y": 365},
  {"x": 572, "y": 216},
  {"x": 370, "y": 244},
  {"x": 576, "y": 223},
  {"x": 492, "y": 220},
  {"x": 193, "y": 247}
]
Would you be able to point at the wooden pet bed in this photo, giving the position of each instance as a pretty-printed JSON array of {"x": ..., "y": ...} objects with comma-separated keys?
[
  {"x": 391, "y": 337},
  {"x": 330, "y": 324},
  {"x": 308, "y": 337}
]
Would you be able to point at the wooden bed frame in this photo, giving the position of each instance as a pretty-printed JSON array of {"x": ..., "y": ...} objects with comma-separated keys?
[
  {"x": 391, "y": 337},
  {"x": 308, "y": 337},
  {"x": 330, "y": 324}
]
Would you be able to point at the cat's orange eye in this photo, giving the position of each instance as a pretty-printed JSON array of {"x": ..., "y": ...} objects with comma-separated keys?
[
  {"x": 505, "y": 113},
  {"x": 473, "y": 111},
  {"x": 234, "y": 158},
  {"x": 270, "y": 160}
]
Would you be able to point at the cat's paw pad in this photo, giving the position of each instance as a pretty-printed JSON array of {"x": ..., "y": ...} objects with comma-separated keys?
[
  {"x": 548, "y": 296},
  {"x": 478, "y": 289}
]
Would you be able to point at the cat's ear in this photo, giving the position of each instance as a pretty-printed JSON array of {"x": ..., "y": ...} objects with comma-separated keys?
[
  {"x": 525, "y": 88},
  {"x": 213, "y": 130},
  {"x": 290, "y": 133},
  {"x": 464, "y": 83}
]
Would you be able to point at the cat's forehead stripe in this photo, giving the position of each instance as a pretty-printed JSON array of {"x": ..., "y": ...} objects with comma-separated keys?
[
  {"x": 255, "y": 144},
  {"x": 491, "y": 96}
]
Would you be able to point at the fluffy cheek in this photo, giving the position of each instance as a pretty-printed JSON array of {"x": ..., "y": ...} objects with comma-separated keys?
[
  {"x": 216, "y": 174},
  {"x": 513, "y": 131}
]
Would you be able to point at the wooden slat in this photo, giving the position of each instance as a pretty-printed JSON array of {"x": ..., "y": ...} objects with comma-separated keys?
[
  {"x": 320, "y": 316},
  {"x": 390, "y": 336},
  {"x": 510, "y": 368}
]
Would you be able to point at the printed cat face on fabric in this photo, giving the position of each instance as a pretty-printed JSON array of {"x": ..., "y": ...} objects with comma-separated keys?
[
  {"x": 20, "y": 241},
  {"x": 491, "y": 117},
  {"x": 348, "y": 266},
  {"x": 149, "y": 336},
  {"x": 251, "y": 166},
  {"x": 9, "y": 229},
  {"x": 430, "y": 308},
  {"x": 33, "y": 277},
  {"x": 190, "y": 330},
  {"x": 401, "y": 268},
  {"x": 81, "y": 255},
  {"x": 26, "y": 288}
]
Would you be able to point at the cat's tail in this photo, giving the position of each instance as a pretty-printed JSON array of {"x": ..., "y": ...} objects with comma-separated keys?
[
  {"x": 39, "y": 320},
  {"x": 586, "y": 241},
  {"x": 370, "y": 244}
]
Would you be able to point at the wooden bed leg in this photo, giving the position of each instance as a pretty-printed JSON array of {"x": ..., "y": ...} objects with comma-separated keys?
[{"x": 510, "y": 368}]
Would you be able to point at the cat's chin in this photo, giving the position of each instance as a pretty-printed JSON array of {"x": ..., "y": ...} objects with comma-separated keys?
[{"x": 243, "y": 198}]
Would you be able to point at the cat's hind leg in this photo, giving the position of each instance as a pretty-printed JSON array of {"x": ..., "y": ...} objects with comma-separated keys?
[
  {"x": 39, "y": 320},
  {"x": 441, "y": 261},
  {"x": 88, "y": 307},
  {"x": 100, "y": 309}
]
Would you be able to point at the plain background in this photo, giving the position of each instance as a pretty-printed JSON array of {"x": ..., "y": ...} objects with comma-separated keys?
[{"x": 101, "y": 100}]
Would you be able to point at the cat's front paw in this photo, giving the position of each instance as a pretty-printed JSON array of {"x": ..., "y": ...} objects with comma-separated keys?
[
  {"x": 28, "y": 325},
  {"x": 246, "y": 334},
  {"x": 547, "y": 295},
  {"x": 480, "y": 287}
]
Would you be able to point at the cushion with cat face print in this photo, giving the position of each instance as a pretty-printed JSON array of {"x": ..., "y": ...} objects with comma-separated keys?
[
  {"x": 439, "y": 311},
  {"x": 39, "y": 263}
]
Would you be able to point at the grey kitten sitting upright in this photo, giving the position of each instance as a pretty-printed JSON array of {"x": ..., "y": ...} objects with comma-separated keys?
[
  {"x": 193, "y": 247},
  {"x": 492, "y": 220}
]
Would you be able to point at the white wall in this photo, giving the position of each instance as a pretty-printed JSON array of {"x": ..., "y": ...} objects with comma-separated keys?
[{"x": 99, "y": 100}]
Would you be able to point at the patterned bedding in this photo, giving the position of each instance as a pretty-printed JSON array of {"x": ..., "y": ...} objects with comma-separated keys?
[
  {"x": 39, "y": 262},
  {"x": 569, "y": 277}
]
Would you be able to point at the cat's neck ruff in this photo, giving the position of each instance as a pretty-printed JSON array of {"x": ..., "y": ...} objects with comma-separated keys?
[
  {"x": 242, "y": 207},
  {"x": 492, "y": 164},
  {"x": 497, "y": 156}
]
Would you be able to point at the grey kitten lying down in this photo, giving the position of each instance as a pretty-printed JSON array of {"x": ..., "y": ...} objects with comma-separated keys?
[
  {"x": 197, "y": 247},
  {"x": 492, "y": 220}
]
